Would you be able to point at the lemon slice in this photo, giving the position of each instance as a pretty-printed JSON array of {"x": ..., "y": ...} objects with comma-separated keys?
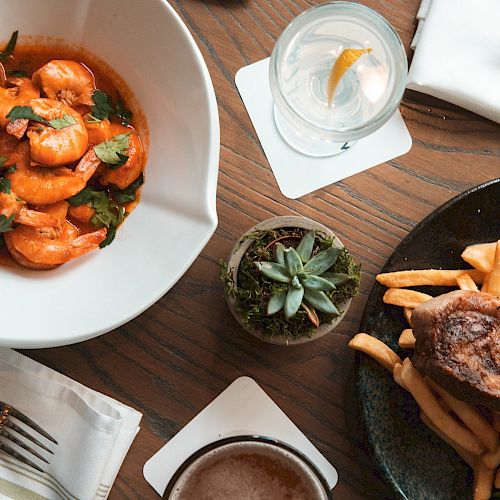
[{"x": 346, "y": 59}]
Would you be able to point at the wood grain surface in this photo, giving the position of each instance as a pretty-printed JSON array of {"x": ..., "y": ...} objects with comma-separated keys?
[{"x": 171, "y": 361}]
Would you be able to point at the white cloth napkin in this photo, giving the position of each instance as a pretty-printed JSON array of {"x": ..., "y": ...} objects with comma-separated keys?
[
  {"x": 94, "y": 433},
  {"x": 457, "y": 54}
]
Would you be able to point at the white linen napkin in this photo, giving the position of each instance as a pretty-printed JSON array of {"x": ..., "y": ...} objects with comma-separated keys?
[
  {"x": 94, "y": 433},
  {"x": 457, "y": 54}
]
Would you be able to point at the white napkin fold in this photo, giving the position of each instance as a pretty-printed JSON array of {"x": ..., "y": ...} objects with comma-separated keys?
[
  {"x": 457, "y": 54},
  {"x": 94, "y": 433}
]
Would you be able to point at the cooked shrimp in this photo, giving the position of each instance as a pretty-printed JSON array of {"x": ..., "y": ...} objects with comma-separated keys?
[
  {"x": 98, "y": 131},
  {"x": 42, "y": 185},
  {"x": 49, "y": 247},
  {"x": 126, "y": 174},
  {"x": 81, "y": 213},
  {"x": 22, "y": 90},
  {"x": 8, "y": 143},
  {"x": 3, "y": 76},
  {"x": 11, "y": 205},
  {"x": 67, "y": 81}
]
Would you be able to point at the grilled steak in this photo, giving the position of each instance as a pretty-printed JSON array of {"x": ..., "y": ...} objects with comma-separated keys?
[{"x": 458, "y": 345}]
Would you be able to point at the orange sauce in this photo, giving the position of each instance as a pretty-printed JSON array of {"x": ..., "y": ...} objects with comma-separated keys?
[{"x": 33, "y": 52}]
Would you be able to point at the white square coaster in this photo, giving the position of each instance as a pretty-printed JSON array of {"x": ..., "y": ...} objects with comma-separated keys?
[
  {"x": 298, "y": 174},
  {"x": 242, "y": 408}
]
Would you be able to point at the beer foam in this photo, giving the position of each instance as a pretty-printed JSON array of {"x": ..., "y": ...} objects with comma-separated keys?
[{"x": 248, "y": 471}]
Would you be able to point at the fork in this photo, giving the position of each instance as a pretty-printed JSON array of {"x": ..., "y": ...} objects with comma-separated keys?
[{"x": 12, "y": 433}]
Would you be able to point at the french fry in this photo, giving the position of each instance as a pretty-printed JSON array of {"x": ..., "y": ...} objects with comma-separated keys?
[
  {"x": 421, "y": 277},
  {"x": 407, "y": 339},
  {"x": 494, "y": 277},
  {"x": 486, "y": 283},
  {"x": 471, "y": 417},
  {"x": 480, "y": 256},
  {"x": 396, "y": 373},
  {"x": 376, "y": 349},
  {"x": 483, "y": 481},
  {"x": 492, "y": 459},
  {"x": 497, "y": 480},
  {"x": 466, "y": 456},
  {"x": 407, "y": 312},
  {"x": 418, "y": 388},
  {"x": 465, "y": 282},
  {"x": 405, "y": 298}
]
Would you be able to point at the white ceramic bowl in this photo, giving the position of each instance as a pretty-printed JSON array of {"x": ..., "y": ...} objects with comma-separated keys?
[{"x": 149, "y": 46}]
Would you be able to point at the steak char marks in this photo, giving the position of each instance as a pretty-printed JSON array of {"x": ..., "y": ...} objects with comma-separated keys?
[{"x": 458, "y": 345}]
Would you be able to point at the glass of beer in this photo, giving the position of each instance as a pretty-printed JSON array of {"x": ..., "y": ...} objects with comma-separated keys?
[{"x": 243, "y": 467}]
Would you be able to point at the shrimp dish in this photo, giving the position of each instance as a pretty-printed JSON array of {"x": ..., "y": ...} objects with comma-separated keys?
[{"x": 71, "y": 156}]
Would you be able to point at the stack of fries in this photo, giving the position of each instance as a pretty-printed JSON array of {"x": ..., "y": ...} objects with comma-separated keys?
[{"x": 473, "y": 433}]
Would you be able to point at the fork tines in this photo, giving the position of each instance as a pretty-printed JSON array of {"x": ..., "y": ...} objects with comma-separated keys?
[{"x": 12, "y": 433}]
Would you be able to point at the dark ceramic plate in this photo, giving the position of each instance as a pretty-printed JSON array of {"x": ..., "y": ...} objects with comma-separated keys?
[{"x": 412, "y": 459}]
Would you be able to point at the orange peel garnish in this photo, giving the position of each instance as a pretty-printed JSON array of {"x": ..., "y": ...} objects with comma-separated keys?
[{"x": 346, "y": 59}]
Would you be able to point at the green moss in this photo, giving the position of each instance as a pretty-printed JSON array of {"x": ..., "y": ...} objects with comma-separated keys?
[{"x": 254, "y": 290}]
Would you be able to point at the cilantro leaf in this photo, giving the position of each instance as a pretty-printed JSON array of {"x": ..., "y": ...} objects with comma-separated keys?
[
  {"x": 102, "y": 108},
  {"x": 24, "y": 112},
  {"x": 109, "y": 151},
  {"x": 17, "y": 72},
  {"x": 9, "y": 48},
  {"x": 65, "y": 121},
  {"x": 129, "y": 193},
  {"x": 122, "y": 160},
  {"x": 107, "y": 212},
  {"x": 27, "y": 113},
  {"x": 123, "y": 113},
  {"x": 3, "y": 159},
  {"x": 110, "y": 236},
  {"x": 6, "y": 223},
  {"x": 4, "y": 185}
]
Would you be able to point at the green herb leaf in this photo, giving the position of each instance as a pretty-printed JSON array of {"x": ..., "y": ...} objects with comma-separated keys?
[
  {"x": 129, "y": 193},
  {"x": 59, "y": 123},
  {"x": 123, "y": 113},
  {"x": 322, "y": 261},
  {"x": 24, "y": 112},
  {"x": 17, "y": 72},
  {"x": 306, "y": 245},
  {"x": 293, "y": 301},
  {"x": 108, "y": 213},
  {"x": 275, "y": 271},
  {"x": 3, "y": 159},
  {"x": 102, "y": 108},
  {"x": 108, "y": 151},
  {"x": 317, "y": 283},
  {"x": 122, "y": 160},
  {"x": 6, "y": 223},
  {"x": 10, "y": 169},
  {"x": 9, "y": 49},
  {"x": 4, "y": 185},
  {"x": 276, "y": 303},
  {"x": 110, "y": 236},
  {"x": 321, "y": 302}
]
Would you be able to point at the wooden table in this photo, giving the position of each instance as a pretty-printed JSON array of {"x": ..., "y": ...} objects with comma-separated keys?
[{"x": 171, "y": 361}]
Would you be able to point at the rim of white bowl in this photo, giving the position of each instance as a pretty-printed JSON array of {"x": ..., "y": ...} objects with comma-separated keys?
[{"x": 210, "y": 205}]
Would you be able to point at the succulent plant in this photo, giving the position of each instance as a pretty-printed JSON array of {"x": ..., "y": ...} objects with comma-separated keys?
[{"x": 308, "y": 278}]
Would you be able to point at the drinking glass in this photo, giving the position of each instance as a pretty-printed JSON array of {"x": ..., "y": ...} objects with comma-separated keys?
[{"x": 366, "y": 96}]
